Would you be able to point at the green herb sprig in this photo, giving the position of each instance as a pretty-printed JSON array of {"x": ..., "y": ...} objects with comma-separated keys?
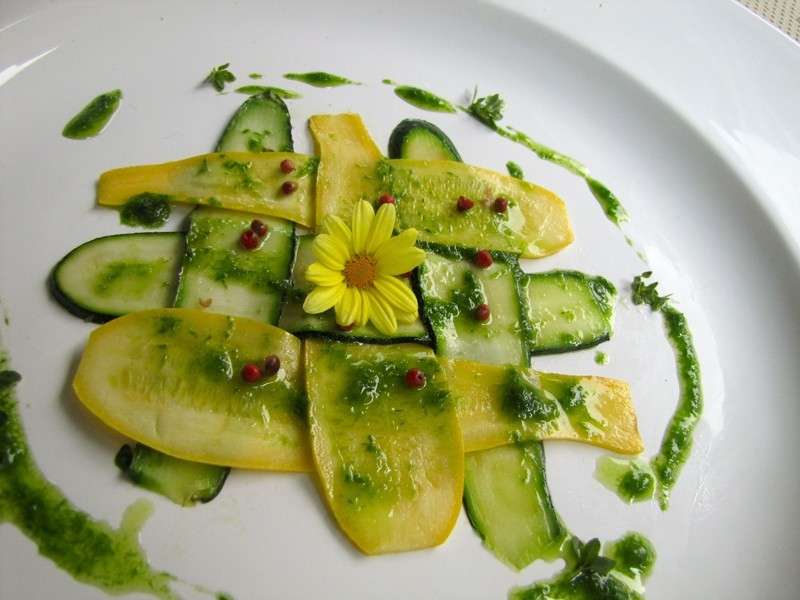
[
  {"x": 647, "y": 293},
  {"x": 219, "y": 76},
  {"x": 588, "y": 557},
  {"x": 488, "y": 109}
]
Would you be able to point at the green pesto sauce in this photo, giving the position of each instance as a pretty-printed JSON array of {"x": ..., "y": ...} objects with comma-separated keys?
[
  {"x": 423, "y": 99},
  {"x": 525, "y": 401},
  {"x": 369, "y": 380},
  {"x": 146, "y": 210},
  {"x": 633, "y": 554},
  {"x": 572, "y": 396},
  {"x": 388, "y": 81},
  {"x": 631, "y": 480},
  {"x": 127, "y": 278},
  {"x": 617, "y": 574},
  {"x": 601, "y": 358},
  {"x": 515, "y": 170},
  {"x": 94, "y": 116},
  {"x": 252, "y": 90},
  {"x": 255, "y": 75},
  {"x": 320, "y": 79},
  {"x": 610, "y": 204},
  {"x": 676, "y": 445},
  {"x": 89, "y": 550}
]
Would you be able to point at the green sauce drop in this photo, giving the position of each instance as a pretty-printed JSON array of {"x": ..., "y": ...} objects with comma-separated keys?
[
  {"x": 146, "y": 210},
  {"x": 252, "y": 90},
  {"x": 515, "y": 170},
  {"x": 388, "y": 82},
  {"x": 255, "y": 76},
  {"x": 94, "y": 116},
  {"x": 631, "y": 480},
  {"x": 589, "y": 575},
  {"x": 676, "y": 445},
  {"x": 89, "y": 550},
  {"x": 423, "y": 99},
  {"x": 320, "y": 79},
  {"x": 601, "y": 358},
  {"x": 634, "y": 555}
]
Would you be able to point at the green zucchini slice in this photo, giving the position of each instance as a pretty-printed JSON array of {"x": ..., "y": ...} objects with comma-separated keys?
[
  {"x": 261, "y": 124},
  {"x": 421, "y": 140},
  {"x": 568, "y": 310},
  {"x": 220, "y": 275},
  {"x": 118, "y": 274},
  {"x": 508, "y": 503},
  {"x": 452, "y": 288},
  {"x": 184, "y": 482}
]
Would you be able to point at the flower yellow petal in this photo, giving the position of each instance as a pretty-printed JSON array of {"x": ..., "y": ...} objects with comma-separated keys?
[
  {"x": 407, "y": 318},
  {"x": 363, "y": 214},
  {"x": 322, "y": 298},
  {"x": 362, "y": 318},
  {"x": 331, "y": 251},
  {"x": 401, "y": 261},
  {"x": 381, "y": 314},
  {"x": 382, "y": 227},
  {"x": 344, "y": 308},
  {"x": 355, "y": 312},
  {"x": 404, "y": 239},
  {"x": 396, "y": 293},
  {"x": 336, "y": 227},
  {"x": 319, "y": 274}
]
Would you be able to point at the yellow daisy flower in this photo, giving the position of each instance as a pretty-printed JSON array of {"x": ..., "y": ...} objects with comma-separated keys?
[{"x": 357, "y": 270}]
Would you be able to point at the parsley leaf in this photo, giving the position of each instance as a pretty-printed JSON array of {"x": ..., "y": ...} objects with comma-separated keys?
[
  {"x": 644, "y": 293},
  {"x": 588, "y": 557},
  {"x": 219, "y": 76},
  {"x": 488, "y": 110}
]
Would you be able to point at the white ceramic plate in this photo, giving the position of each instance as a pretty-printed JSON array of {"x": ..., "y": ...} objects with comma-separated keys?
[{"x": 687, "y": 110}]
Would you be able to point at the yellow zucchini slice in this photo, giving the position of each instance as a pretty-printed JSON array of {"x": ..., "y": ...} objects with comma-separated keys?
[
  {"x": 351, "y": 168},
  {"x": 170, "y": 379},
  {"x": 535, "y": 223},
  {"x": 590, "y": 409},
  {"x": 347, "y": 161},
  {"x": 233, "y": 180},
  {"x": 390, "y": 458}
]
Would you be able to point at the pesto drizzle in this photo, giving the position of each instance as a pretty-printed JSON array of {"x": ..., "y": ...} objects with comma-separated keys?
[
  {"x": 89, "y": 550},
  {"x": 423, "y": 99},
  {"x": 616, "y": 574},
  {"x": 676, "y": 445},
  {"x": 94, "y": 116},
  {"x": 489, "y": 110},
  {"x": 320, "y": 79}
]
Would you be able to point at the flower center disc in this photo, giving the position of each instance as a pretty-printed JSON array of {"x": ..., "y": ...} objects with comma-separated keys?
[{"x": 360, "y": 271}]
